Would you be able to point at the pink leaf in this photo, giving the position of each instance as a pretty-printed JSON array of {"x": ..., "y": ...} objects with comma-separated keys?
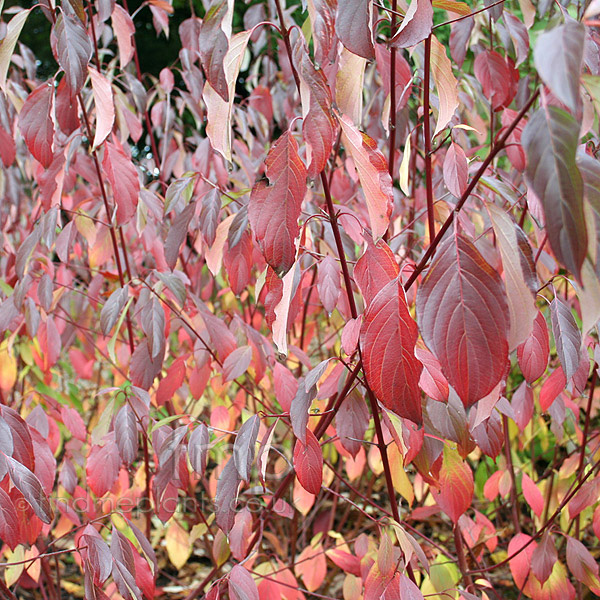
[
  {"x": 105, "y": 107},
  {"x": 533, "y": 353},
  {"x": 372, "y": 169},
  {"x": 353, "y": 27},
  {"x": 455, "y": 170},
  {"x": 374, "y": 269},
  {"x": 124, "y": 30},
  {"x": 328, "y": 283},
  {"x": 532, "y": 495},
  {"x": 102, "y": 467}
]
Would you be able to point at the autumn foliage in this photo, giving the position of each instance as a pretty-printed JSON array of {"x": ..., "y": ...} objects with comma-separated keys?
[{"x": 313, "y": 313}]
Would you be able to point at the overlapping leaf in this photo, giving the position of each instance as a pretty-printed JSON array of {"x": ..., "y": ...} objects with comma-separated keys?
[
  {"x": 464, "y": 320},
  {"x": 388, "y": 337},
  {"x": 274, "y": 210},
  {"x": 550, "y": 140}
]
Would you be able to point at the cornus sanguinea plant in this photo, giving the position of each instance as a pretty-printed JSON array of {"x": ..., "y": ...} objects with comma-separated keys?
[{"x": 311, "y": 312}]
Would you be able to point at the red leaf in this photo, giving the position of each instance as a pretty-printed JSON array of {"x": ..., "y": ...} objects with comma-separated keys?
[
  {"x": 36, "y": 124},
  {"x": 10, "y": 532},
  {"x": 416, "y": 25},
  {"x": 432, "y": 380},
  {"x": 102, "y": 467},
  {"x": 73, "y": 48},
  {"x": 552, "y": 387},
  {"x": 456, "y": 170},
  {"x": 533, "y": 353},
  {"x": 520, "y": 565},
  {"x": 8, "y": 148},
  {"x": 463, "y": 318},
  {"x": 123, "y": 179},
  {"x": 239, "y": 262},
  {"x": 353, "y": 27},
  {"x": 456, "y": 487},
  {"x": 308, "y": 463},
  {"x": 495, "y": 76},
  {"x": 350, "y": 335},
  {"x": 388, "y": 338},
  {"x": 286, "y": 386},
  {"x": 274, "y": 210},
  {"x": 318, "y": 125},
  {"x": 373, "y": 173},
  {"x": 587, "y": 496},
  {"x": 171, "y": 382},
  {"x": 374, "y": 269},
  {"x": 532, "y": 495},
  {"x": 177, "y": 234}
]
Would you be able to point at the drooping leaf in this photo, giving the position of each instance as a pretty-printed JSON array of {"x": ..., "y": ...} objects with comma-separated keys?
[
  {"x": 112, "y": 309},
  {"x": 126, "y": 434},
  {"x": 496, "y": 78},
  {"x": 353, "y": 27},
  {"x": 73, "y": 48},
  {"x": 31, "y": 488},
  {"x": 373, "y": 173},
  {"x": 124, "y": 29},
  {"x": 245, "y": 446},
  {"x": 582, "y": 564},
  {"x": 349, "y": 85},
  {"x": 351, "y": 422},
  {"x": 123, "y": 179},
  {"x": 308, "y": 463},
  {"x": 9, "y": 524},
  {"x": 456, "y": 170},
  {"x": 375, "y": 269},
  {"x": 177, "y": 234},
  {"x": 213, "y": 44},
  {"x": 416, "y": 25},
  {"x": 274, "y": 210},
  {"x": 455, "y": 491},
  {"x": 328, "y": 283},
  {"x": 388, "y": 338},
  {"x": 518, "y": 34},
  {"x": 219, "y": 108},
  {"x": 226, "y": 498},
  {"x": 241, "y": 584},
  {"x": 464, "y": 320},
  {"x": 532, "y": 495},
  {"x": 550, "y": 140},
  {"x": 318, "y": 124},
  {"x": 9, "y": 42},
  {"x": 102, "y": 467},
  {"x": 519, "y": 275},
  {"x": 522, "y": 404},
  {"x": 198, "y": 445},
  {"x": 533, "y": 353},
  {"x": 567, "y": 336},
  {"x": 558, "y": 56},
  {"x": 445, "y": 83},
  {"x": 322, "y": 21},
  {"x": 105, "y": 107},
  {"x": 552, "y": 387},
  {"x": 36, "y": 124},
  {"x": 543, "y": 558}
]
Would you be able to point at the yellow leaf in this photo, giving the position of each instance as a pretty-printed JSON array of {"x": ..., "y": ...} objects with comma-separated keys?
[
  {"x": 402, "y": 483},
  {"x": 8, "y": 367},
  {"x": 12, "y": 573},
  {"x": 460, "y": 8},
  {"x": 178, "y": 545}
]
